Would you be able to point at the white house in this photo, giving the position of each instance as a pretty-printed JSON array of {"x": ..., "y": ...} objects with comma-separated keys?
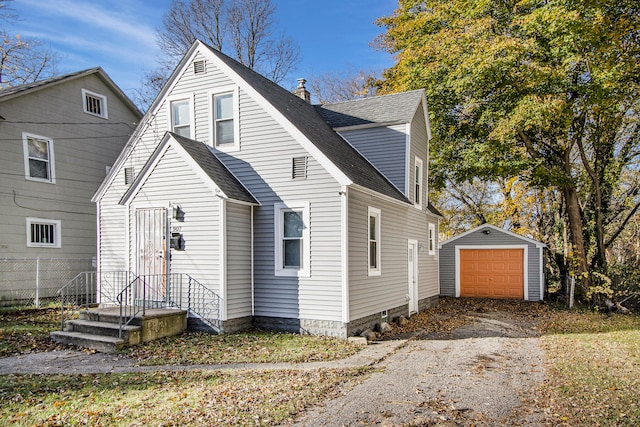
[{"x": 297, "y": 217}]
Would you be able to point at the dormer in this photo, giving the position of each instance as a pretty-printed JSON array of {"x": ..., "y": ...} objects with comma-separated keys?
[{"x": 393, "y": 133}]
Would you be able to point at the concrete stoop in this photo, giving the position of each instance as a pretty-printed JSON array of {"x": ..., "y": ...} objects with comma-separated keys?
[{"x": 99, "y": 328}]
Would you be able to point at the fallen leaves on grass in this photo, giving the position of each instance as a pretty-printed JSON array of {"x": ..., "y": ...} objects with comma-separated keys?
[
  {"x": 193, "y": 348},
  {"x": 592, "y": 368},
  {"x": 166, "y": 398},
  {"x": 452, "y": 313},
  {"x": 26, "y": 331}
]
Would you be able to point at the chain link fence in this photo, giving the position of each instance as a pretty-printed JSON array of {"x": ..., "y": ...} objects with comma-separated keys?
[{"x": 34, "y": 282}]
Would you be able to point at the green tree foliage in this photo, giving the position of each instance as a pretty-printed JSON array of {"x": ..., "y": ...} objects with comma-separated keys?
[{"x": 543, "y": 90}]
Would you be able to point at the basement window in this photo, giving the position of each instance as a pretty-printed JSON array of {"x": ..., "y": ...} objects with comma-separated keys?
[{"x": 43, "y": 233}]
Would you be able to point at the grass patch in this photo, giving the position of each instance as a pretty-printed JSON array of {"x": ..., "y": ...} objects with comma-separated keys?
[
  {"x": 247, "y": 347},
  {"x": 165, "y": 398},
  {"x": 593, "y": 364},
  {"x": 27, "y": 330}
]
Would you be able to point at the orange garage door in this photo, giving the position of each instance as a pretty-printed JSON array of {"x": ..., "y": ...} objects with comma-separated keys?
[{"x": 492, "y": 273}]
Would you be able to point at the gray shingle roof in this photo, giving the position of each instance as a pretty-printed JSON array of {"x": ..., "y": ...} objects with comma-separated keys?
[
  {"x": 208, "y": 162},
  {"x": 215, "y": 169},
  {"x": 11, "y": 92},
  {"x": 40, "y": 83},
  {"x": 385, "y": 109},
  {"x": 307, "y": 119}
]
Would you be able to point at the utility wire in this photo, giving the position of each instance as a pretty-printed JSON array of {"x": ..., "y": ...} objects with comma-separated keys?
[{"x": 15, "y": 201}]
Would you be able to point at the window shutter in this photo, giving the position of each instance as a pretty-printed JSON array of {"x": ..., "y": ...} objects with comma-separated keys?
[{"x": 299, "y": 168}]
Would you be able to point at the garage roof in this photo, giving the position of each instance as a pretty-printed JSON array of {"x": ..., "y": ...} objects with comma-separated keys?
[{"x": 489, "y": 228}]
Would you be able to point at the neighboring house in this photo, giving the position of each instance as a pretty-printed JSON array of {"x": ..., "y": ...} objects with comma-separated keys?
[
  {"x": 59, "y": 137},
  {"x": 489, "y": 262},
  {"x": 298, "y": 217}
]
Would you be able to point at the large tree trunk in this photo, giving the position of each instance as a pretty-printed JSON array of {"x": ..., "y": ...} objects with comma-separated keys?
[{"x": 577, "y": 241}]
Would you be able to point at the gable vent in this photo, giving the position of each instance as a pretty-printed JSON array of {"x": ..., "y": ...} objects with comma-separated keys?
[
  {"x": 299, "y": 168},
  {"x": 129, "y": 176},
  {"x": 199, "y": 67}
]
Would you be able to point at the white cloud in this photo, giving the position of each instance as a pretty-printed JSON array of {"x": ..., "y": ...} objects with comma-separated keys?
[{"x": 115, "y": 20}]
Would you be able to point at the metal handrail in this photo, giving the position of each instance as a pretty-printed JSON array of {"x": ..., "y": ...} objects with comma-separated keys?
[
  {"x": 82, "y": 291},
  {"x": 135, "y": 294}
]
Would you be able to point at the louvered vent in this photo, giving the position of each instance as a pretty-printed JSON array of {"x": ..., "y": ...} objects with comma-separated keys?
[
  {"x": 199, "y": 67},
  {"x": 129, "y": 176},
  {"x": 299, "y": 168}
]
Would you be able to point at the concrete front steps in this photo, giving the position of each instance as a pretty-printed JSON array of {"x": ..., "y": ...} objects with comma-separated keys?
[{"x": 99, "y": 328}]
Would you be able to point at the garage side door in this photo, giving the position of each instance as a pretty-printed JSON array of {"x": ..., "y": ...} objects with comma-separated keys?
[{"x": 492, "y": 273}]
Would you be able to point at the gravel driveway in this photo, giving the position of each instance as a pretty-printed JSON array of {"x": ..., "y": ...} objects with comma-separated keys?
[{"x": 476, "y": 375}]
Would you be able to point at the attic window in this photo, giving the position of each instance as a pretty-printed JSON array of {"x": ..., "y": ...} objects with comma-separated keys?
[
  {"x": 199, "y": 67},
  {"x": 299, "y": 168},
  {"x": 94, "y": 104},
  {"x": 129, "y": 176}
]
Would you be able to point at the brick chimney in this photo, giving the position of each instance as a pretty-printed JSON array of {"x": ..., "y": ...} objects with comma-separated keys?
[{"x": 302, "y": 91}]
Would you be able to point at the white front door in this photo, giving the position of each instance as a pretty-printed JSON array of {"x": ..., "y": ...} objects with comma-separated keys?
[
  {"x": 412, "y": 265},
  {"x": 151, "y": 250}
]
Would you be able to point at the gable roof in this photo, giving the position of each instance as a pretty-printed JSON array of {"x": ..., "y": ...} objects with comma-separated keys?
[
  {"x": 305, "y": 118},
  {"x": 20, "y": 90},
  {"x": 205, "y": 159},
  {"x": 342, "y": 159},
  {"x": 490, "y": 228},
  {"x": 389, "y": 109}
]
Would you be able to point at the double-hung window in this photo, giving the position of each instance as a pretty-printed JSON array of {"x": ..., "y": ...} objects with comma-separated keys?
[
  {"x": 374, "y": 267},
  {"x": 180, "y": 111},
  {"x": 417, "y": 187},
  {"x": 225, "y": 131},
  {"x": 43, "y": 233},
  {"x": 292, "y": 254},
  {"x": 38, "y": 158}
]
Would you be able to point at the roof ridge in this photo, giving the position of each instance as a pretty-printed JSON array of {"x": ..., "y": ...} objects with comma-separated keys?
[{"x": 386, "y": 95}]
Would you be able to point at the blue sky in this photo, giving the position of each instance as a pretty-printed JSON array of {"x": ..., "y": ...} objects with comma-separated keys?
[{"x": 120, "y": 35}]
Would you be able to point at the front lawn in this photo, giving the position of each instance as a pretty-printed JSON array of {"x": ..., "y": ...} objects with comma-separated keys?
[
  {"x": 28, "y": 331},
  {"x": 164, "y": 398},
  {"x": 593, "y": 375}
]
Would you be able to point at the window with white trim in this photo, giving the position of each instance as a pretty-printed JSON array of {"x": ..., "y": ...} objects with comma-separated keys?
[
  {"x": 180, "y": 111},
  {"x": 43, "y": 233},
  {"x": 94, "y": 104},
  {"x": 223, "y": 118},
  {"x": 432, "y": 239},
  {"x": 374, "y": 268},
  {"x": 292, "y": 254},
  {"x": 38, "y": 158},
  {"x": 417, "y": 185}
]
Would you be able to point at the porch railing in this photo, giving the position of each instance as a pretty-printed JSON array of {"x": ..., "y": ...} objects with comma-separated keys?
[
  {"x": 82, "y": 292},
  {"x": 178, "y": 290}
]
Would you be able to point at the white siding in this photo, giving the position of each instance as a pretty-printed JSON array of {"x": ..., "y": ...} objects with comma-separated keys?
[
  {"x": 264, "y": 166},
  {"x": 173, "y": 182}
]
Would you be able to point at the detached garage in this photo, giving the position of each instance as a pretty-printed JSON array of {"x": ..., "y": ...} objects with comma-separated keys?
[{"x": 489, "y": 262}]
